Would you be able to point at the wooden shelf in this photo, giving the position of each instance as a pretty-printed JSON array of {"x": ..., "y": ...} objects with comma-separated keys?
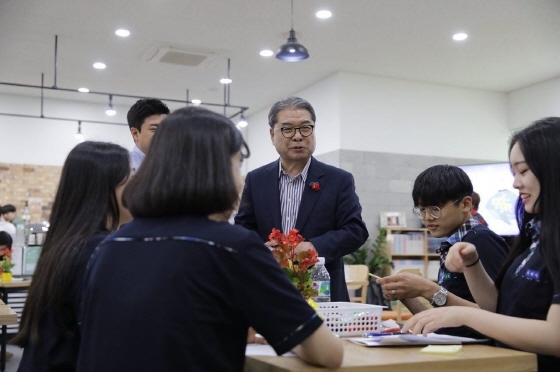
[{"x": 401, "y": 239}]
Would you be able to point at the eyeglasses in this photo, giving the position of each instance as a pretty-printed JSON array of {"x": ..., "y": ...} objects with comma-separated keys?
[
  {"x": 304, "y": 130},
  {"x": 433, "y": 211}
]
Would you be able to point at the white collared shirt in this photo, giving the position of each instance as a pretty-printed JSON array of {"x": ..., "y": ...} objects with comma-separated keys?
[
  {"x": 136, "y": 158},
  {"x": 291, "y": 190}
]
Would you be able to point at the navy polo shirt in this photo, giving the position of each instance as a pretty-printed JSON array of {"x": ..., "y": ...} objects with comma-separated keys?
[{"x": 179, "y": 294}]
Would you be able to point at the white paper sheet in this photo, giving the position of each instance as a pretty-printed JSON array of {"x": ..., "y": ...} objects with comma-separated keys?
[{"x": 264, "y": 350}]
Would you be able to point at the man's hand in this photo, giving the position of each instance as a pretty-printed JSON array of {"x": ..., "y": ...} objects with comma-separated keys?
[
  {"x": 304, "y": 247},
  {"x": 271, "y": 244},
  {"x": 407, "y": 285}
]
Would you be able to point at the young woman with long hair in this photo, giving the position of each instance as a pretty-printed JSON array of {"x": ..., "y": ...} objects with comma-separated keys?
[
  {"x": 521, "y": 309},
  {"x": 86, "y": 208}
]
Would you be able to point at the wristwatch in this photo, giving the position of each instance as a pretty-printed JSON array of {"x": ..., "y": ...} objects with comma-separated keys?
[{"x": 440, "y": 297}]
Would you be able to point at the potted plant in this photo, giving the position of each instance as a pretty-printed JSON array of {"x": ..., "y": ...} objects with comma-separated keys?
[
  {"x": 374, "y": 255},
  {"x": 6, "y": 265}
]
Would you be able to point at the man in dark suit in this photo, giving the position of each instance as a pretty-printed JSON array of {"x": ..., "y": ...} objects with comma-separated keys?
[{"x": 300, "y": 192}]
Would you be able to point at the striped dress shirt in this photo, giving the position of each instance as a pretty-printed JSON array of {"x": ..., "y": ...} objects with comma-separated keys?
[{"x": 291, "y": 190}]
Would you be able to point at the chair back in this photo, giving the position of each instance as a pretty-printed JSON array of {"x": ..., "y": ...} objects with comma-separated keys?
[{"x": 357, "y": 278}]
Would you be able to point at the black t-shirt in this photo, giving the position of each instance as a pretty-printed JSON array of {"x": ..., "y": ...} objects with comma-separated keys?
[
  {"x": 529, "y": 294},
  {"x": 179, "y": 294},
  {"x": 56, "y": 351},
  {"x": 492, "y": 250}
]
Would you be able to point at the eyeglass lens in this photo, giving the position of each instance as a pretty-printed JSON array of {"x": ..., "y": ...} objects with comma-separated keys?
[
  {"x": 304, "y": 130},
  {"x": 434, "y": 211}
]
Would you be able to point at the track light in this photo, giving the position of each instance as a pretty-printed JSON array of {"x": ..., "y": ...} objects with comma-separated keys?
[
  {"x": 79, "y": 135},
  {"x": 292, "y": 51},
  {"x": 242, "y": 122},
  {"x": 110, "y": 110}
]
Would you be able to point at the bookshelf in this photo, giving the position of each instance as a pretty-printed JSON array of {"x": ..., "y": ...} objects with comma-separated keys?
[{"x": 413, "y": 248}]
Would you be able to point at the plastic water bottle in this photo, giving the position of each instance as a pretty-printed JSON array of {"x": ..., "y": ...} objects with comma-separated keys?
[{"x": 321, "y": 281}]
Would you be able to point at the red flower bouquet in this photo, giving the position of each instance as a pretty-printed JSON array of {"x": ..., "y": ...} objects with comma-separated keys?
[{"x": 297, "y": 266}]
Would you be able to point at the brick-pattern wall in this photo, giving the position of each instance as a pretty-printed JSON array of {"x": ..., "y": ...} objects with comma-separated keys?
[{"x": 35, "y": 184}]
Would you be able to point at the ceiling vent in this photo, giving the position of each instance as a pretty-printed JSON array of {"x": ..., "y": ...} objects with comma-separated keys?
[{"x": 181, "y": 57}]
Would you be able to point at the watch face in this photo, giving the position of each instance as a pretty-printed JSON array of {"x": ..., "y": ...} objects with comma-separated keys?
[{"x": 440, "y": 299}]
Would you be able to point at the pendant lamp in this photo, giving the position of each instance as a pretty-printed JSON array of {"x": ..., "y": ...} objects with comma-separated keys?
[{"x": 292, "y": 51}]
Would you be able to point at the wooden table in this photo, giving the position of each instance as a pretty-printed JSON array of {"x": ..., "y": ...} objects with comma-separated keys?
[
  {"x": 406, "y": 359},
  {"x": 5, "y": 288}
]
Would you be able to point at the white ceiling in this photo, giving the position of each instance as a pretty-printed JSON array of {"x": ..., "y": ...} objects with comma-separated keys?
[{"x": 511, "y": 44}]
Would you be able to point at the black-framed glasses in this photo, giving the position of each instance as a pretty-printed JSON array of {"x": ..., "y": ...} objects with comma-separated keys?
[
  {"x": 433, "y": 211},
  {"x": 289, "y": 132}
]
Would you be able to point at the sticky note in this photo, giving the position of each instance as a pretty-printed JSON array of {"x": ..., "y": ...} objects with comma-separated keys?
[{"x": 441, "y": 349}]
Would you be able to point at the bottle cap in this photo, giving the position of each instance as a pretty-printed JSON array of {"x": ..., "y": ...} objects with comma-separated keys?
[{"x": 321, "y": 260}]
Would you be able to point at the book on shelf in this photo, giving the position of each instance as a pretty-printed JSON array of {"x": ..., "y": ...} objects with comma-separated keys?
[{"x": 407, "y": 243}]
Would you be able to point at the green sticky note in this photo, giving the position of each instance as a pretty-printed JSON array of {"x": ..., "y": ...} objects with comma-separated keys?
[{"x": 441, "y": 349}]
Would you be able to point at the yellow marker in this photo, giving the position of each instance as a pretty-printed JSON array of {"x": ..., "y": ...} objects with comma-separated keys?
[{"x": 442, "y": 349}]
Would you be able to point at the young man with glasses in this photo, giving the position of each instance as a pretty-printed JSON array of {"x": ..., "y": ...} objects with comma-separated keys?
[
  {"x": 442, "y": 199},
  {"x": 298, "y": 191}
]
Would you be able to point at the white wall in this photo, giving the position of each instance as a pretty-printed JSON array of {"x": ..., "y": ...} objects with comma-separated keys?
[
  {"x": 48, "y": 142},
  {"x": 406, "y": 117},
  {"x": 354, "y": 112},
  {"x": 533, "y": 103},
  {"x": 368, "y": 113}
]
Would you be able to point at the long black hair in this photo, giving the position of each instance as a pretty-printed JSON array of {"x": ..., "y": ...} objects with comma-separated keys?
[
  {"x": 85, "y": 203},
  {"x": 540, "y": 145}
]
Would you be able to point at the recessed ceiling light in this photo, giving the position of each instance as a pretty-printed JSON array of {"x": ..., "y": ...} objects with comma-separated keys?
[
  {"x": 99, "y": 65},
  {"x": 122, "y": 32},
  {"x": 266, "y": 53},
  {"x": 225, "y": 81},
  {"x": 83, "y": 90},
  {"x": 323, "y": 14},
  {"x": 196, "y": 102},
  {"x": 460, "y": 36}
]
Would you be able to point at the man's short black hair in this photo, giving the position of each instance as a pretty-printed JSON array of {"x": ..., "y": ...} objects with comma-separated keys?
[
  {"x": 440, "y": 184},
  {"x": 7, "y": 209},
  {"x": 144, "y": 108}
]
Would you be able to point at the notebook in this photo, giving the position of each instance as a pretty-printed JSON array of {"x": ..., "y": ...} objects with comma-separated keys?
[{"x": 413, "y": 340}]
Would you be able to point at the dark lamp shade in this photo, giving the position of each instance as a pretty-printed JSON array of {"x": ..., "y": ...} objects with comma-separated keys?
[{"x": 292, "y": 51}]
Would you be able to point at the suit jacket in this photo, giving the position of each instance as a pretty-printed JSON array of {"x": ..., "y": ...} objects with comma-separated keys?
[{"x": 330, "y": 218}]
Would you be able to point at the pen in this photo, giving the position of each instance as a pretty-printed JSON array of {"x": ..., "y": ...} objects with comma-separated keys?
[
  {"x": 375, "y": 276},
  {"x": 378, "y": 334}
]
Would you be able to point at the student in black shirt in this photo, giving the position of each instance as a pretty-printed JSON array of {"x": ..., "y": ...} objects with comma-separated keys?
[
  {"x": 178, "y": 288},
  {"x": 86, "y": 208},
  {"x": 521, "y": 308},
  {"x": 442, "y": 199}
]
